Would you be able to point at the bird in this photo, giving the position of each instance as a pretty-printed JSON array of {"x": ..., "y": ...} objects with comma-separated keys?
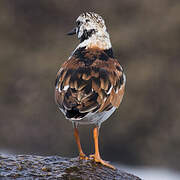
[{"x": 90, "y": 84}]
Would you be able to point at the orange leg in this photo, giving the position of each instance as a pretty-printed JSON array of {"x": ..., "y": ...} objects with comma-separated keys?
[
  {"x": 96, "y": 156},
  {"x": 81, "y": 154}
]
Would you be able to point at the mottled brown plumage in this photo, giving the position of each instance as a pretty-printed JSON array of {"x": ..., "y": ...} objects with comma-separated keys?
[
  {"x": 95, "y": 87},
  {"x": 90, "y": 84}
]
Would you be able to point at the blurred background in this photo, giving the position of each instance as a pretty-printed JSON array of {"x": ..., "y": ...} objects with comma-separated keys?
[{"x": 145, "y": 35}]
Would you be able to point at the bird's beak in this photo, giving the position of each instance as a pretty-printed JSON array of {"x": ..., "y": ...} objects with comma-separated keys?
[{"x": 72, "y": 32}]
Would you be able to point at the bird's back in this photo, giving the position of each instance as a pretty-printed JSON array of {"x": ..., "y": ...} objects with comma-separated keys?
[{"x": 89, "y": 84}]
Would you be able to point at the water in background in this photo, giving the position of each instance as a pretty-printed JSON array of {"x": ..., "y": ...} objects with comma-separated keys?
[{"x": 152, "y": 173}]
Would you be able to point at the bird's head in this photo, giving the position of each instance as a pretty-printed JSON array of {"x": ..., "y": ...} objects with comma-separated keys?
[{"x": 89, "y": 24}]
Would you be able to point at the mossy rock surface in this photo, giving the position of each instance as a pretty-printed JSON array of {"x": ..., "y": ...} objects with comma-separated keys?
[{"x": 56, "y": 167}]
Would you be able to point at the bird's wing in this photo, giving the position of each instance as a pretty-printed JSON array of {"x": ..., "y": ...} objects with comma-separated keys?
[{"x": 89, "y": 82}]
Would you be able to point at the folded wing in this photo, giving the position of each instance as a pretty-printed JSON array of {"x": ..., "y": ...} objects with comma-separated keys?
[{"x": 94, "y": 83}]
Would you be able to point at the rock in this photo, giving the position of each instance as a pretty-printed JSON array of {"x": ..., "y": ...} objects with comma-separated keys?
[{"x": 56, "y": 167}]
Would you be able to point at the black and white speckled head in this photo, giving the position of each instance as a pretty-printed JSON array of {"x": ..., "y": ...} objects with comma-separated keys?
[
  {"x": 89, "y": 24},
  {"x": 91, "y": 29}
]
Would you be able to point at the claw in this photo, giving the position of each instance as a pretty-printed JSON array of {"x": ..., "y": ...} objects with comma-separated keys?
[
  {"x": 91, "y": 156},
  {"x": 99, "y": 160},
  {"x": 83, "y": 156}
]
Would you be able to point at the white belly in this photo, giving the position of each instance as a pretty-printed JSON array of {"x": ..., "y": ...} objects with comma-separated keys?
[{"x": 94, "y": 118}]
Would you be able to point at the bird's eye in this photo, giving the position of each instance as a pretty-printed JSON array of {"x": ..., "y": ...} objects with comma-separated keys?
[
  {"x": 87, "y": 20},
  {"x": 78, "y": 23}
]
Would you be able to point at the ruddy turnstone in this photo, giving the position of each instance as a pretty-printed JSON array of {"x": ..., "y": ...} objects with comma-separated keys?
[{"x": 90, "y": 84}]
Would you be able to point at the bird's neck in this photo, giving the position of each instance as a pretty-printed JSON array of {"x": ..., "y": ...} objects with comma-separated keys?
[{"x": 97, "y": 41}]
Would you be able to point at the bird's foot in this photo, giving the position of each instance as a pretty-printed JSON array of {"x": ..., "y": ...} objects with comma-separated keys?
[
  {"x": 99, "y": 160},
  {"x": 83, "y": 156}
]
